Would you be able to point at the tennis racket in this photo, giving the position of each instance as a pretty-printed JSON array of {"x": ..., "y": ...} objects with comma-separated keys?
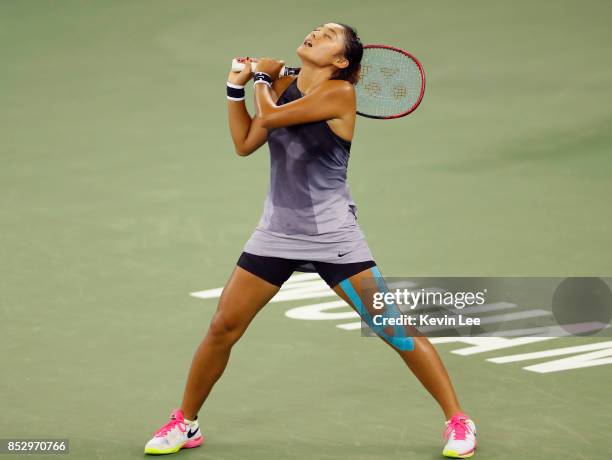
[{"x": 391, "y": 83}]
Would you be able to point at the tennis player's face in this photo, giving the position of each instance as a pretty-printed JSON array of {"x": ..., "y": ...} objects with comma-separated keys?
[{"x": 323, "y": 45}]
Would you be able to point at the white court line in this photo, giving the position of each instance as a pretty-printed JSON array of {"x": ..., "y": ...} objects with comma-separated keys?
[
  {"x": 315, "y": 311},
  {"x": 553, "y": 331},
  {"x": 549, "y": 353}
]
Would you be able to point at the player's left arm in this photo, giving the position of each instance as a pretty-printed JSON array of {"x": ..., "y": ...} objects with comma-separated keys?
[{"x": 331, "y": 99}]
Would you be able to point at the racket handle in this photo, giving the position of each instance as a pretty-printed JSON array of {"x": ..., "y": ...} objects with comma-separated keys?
[{"x": 237, "y": 66}]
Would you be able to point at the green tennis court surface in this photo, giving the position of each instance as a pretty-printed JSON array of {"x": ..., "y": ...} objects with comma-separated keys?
[{"x": 120, "y": 196}]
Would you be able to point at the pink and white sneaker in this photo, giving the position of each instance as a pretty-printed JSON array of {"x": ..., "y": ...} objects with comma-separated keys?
[
  {"x": 460, "y": 437},
  {"x": 175, "y": 435}
]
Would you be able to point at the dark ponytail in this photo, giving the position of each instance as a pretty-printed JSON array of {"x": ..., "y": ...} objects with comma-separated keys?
[{"x": 353, "y": 52}]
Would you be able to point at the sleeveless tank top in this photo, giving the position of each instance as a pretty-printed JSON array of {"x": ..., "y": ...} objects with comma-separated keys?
[{"x": 308, "y": 192}]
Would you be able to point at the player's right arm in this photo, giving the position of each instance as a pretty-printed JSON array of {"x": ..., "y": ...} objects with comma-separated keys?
[{"x": 248, "y": 134}]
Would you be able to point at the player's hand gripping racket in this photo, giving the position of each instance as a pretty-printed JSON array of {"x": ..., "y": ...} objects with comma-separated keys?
[{"x": 391, "y": 83}]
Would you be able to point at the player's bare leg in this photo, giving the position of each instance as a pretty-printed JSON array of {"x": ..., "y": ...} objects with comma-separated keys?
[
  {"x": 244, "y": 295},
  {"x": 242, "y": 298},
  {"x": 423, "y": 360},
  {"x": 421, "y": 357}
]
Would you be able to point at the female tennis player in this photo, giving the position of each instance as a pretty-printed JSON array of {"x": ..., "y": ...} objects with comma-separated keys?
[{"x": 309, "y": 223}]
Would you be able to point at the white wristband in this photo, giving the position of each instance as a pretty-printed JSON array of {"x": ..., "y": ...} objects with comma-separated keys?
[{"x": 235, "y": 86}]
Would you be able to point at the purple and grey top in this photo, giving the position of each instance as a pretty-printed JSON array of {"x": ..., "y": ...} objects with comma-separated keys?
[
  {"x": 308, "y": 192},
  {"x": 309, "y": 212}
]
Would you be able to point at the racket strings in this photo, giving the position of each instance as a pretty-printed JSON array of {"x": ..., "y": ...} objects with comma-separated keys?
[{"x": 390, "y": 83}]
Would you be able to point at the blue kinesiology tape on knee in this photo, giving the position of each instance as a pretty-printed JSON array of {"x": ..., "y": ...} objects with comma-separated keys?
[
  {"x": 401, "y": 343},
  {"x": 347, "y": 287},
  {"x": 393, "y": 311}
]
